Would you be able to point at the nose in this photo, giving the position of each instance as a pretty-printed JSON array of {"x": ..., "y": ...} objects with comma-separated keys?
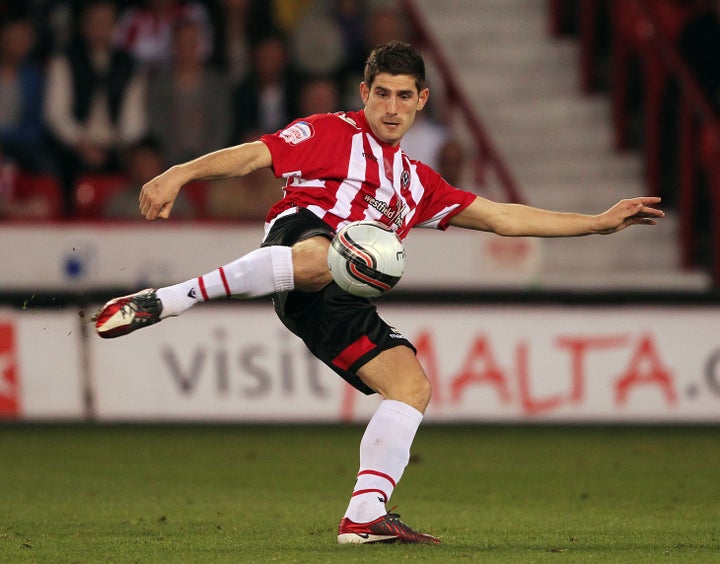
[{"x": 392, "y": 105}]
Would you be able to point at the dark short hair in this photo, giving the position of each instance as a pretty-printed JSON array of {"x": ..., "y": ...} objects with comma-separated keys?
[{"x": 395, "y": 57}]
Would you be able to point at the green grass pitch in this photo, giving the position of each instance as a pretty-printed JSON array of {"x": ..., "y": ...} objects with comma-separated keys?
[{"x": 276, "y": 493}]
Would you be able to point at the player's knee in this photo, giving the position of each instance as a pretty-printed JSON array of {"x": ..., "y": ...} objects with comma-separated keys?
[
  {"x": 397, "y": 375},
  {"x": 310, "y": 264},
  {"x": 415, "y": 390},
  {"x": 421, "y": 392}
]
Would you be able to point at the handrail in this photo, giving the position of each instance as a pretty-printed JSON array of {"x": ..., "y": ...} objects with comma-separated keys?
[
  {"x": 650, "y": 42},
  {"x": 487, "y": 153},
  {"x": 674, "y": 62},
  {"x": 695, "y": 110}
]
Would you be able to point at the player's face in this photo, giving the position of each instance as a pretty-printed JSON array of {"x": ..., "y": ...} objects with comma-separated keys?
[{"x": 390, "y": 105}]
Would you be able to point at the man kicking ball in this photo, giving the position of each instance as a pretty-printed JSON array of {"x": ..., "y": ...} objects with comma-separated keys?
[{"x": 341, "y": 168}]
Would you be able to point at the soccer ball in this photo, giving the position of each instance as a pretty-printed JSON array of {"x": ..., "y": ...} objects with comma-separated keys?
[{"x": 366, "y": 258}]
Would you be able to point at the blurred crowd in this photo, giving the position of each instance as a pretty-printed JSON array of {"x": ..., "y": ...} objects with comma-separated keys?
[{"x": 98, "y": 96}]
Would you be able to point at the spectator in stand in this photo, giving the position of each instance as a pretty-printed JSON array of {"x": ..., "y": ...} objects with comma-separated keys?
[
  {"x": 454, "y": 166},
  {"x": 53, "y": 22},
  {"x": 20, "y": 197},
  {"x": 330, "y": 39},
  {"x": 237, "y": 25},
  {"x": 385, "y": 24},
  {"x": 146, "y": 30},
  {"x": 22, "y": 134},
  {"x": 451, "y": 163},
  {"x": 94, "y": 104},
  {"x": 233, "y": 42},
  {"x": 287, "y": 14},
  {"x": 189, "y": 103},
  {"x": 351, "y": 17},
  {"x": 319, "y": 95},
  {"x": 242, "y": 198},
  {"x": 144, "y": 161},
  {"x": 317, "y": 43},
  {"x": 267, "y": 98},
  {"x": 249, "y": 197},
  {"x": 699, "y": 44}
]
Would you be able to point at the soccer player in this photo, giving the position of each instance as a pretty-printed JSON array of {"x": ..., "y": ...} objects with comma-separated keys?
[{"x": 340, "y": 168}]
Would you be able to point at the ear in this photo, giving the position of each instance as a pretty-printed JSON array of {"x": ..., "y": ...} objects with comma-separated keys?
[
  {"x": 423, "y": 98},
  {"x": 364, "y": 93}
]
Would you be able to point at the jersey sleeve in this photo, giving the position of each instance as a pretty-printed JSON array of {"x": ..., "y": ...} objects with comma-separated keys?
[
  {"x": 308, "y": 147},
  {"x": 441, "y": 201}
]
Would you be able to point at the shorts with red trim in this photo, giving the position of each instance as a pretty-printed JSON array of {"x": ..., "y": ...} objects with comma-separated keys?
[{"x": 342, "y": 330}]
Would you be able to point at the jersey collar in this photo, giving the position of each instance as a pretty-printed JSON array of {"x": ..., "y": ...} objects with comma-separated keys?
[{"x": 365, "y": 126}]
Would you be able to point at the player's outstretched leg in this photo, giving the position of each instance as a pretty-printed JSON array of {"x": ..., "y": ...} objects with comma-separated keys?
[
  {"x": 125, "y": 314},
  {"x": 261, "y": 272}
]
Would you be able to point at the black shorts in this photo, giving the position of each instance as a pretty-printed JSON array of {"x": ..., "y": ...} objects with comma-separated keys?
[{"x": 342, "y": 330}]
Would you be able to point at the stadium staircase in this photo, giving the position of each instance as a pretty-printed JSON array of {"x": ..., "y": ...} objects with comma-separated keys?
[{"x": 524, "y": 85}]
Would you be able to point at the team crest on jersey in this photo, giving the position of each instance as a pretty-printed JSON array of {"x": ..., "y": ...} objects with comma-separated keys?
[
  {"x": 405, "y": 179},
  {"x": 297, "y": 133}
]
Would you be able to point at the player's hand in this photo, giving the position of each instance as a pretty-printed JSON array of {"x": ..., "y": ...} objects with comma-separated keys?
[
  {"x": 158, "y": 195},
  {"x": 633, "y": 211}
]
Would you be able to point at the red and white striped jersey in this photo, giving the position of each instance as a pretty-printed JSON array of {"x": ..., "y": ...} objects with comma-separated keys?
[{"x": 337, "y": 169}]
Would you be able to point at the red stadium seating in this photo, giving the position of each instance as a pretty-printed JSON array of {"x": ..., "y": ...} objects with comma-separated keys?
[
  {"x": 43, "y": 187},
  {"x": 196, "y": 192},
  {"x": 92, "y": 192}
]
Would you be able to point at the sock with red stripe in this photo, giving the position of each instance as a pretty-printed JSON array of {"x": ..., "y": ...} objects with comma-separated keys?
[
  {"x": 261, "y": 272},
  {"x": 384, "y": 454}
]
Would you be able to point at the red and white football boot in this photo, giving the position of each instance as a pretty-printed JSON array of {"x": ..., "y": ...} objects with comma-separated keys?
[
  {"x": 126, "y": 314},
  {"x": 388, "y": 528}
]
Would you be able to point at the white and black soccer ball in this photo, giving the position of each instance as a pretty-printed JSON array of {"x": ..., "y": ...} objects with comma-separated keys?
[{"x": 366, "y": 258}]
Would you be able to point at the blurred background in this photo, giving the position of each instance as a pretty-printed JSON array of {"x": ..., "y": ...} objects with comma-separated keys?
[{"x": 562, "y": 104}]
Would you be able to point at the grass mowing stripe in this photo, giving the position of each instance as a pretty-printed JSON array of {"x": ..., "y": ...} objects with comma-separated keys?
[{"x": 276, "y": 493}]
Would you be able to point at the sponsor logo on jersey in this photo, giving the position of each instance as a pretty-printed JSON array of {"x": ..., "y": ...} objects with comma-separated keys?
[
  {"x": 297, "y": 133},
  {"x": 393, "y": 213}
]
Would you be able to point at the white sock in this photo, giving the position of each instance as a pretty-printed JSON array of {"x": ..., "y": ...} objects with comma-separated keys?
[
  {"x": 384, "y": 454},
  {"x": 261, "y": 272}
]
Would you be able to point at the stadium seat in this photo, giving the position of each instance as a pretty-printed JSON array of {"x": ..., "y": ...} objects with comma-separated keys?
[
  {"x": 92, "y": 192},
  {"x": 197, "y": 194},
  {"x": 44, "y": 187}
]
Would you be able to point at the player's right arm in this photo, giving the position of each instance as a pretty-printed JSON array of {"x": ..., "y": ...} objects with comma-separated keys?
[{"x": 158, "y": 195}]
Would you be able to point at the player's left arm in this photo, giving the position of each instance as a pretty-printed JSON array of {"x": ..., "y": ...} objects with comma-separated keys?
[{"x": 518, "y": 220}]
